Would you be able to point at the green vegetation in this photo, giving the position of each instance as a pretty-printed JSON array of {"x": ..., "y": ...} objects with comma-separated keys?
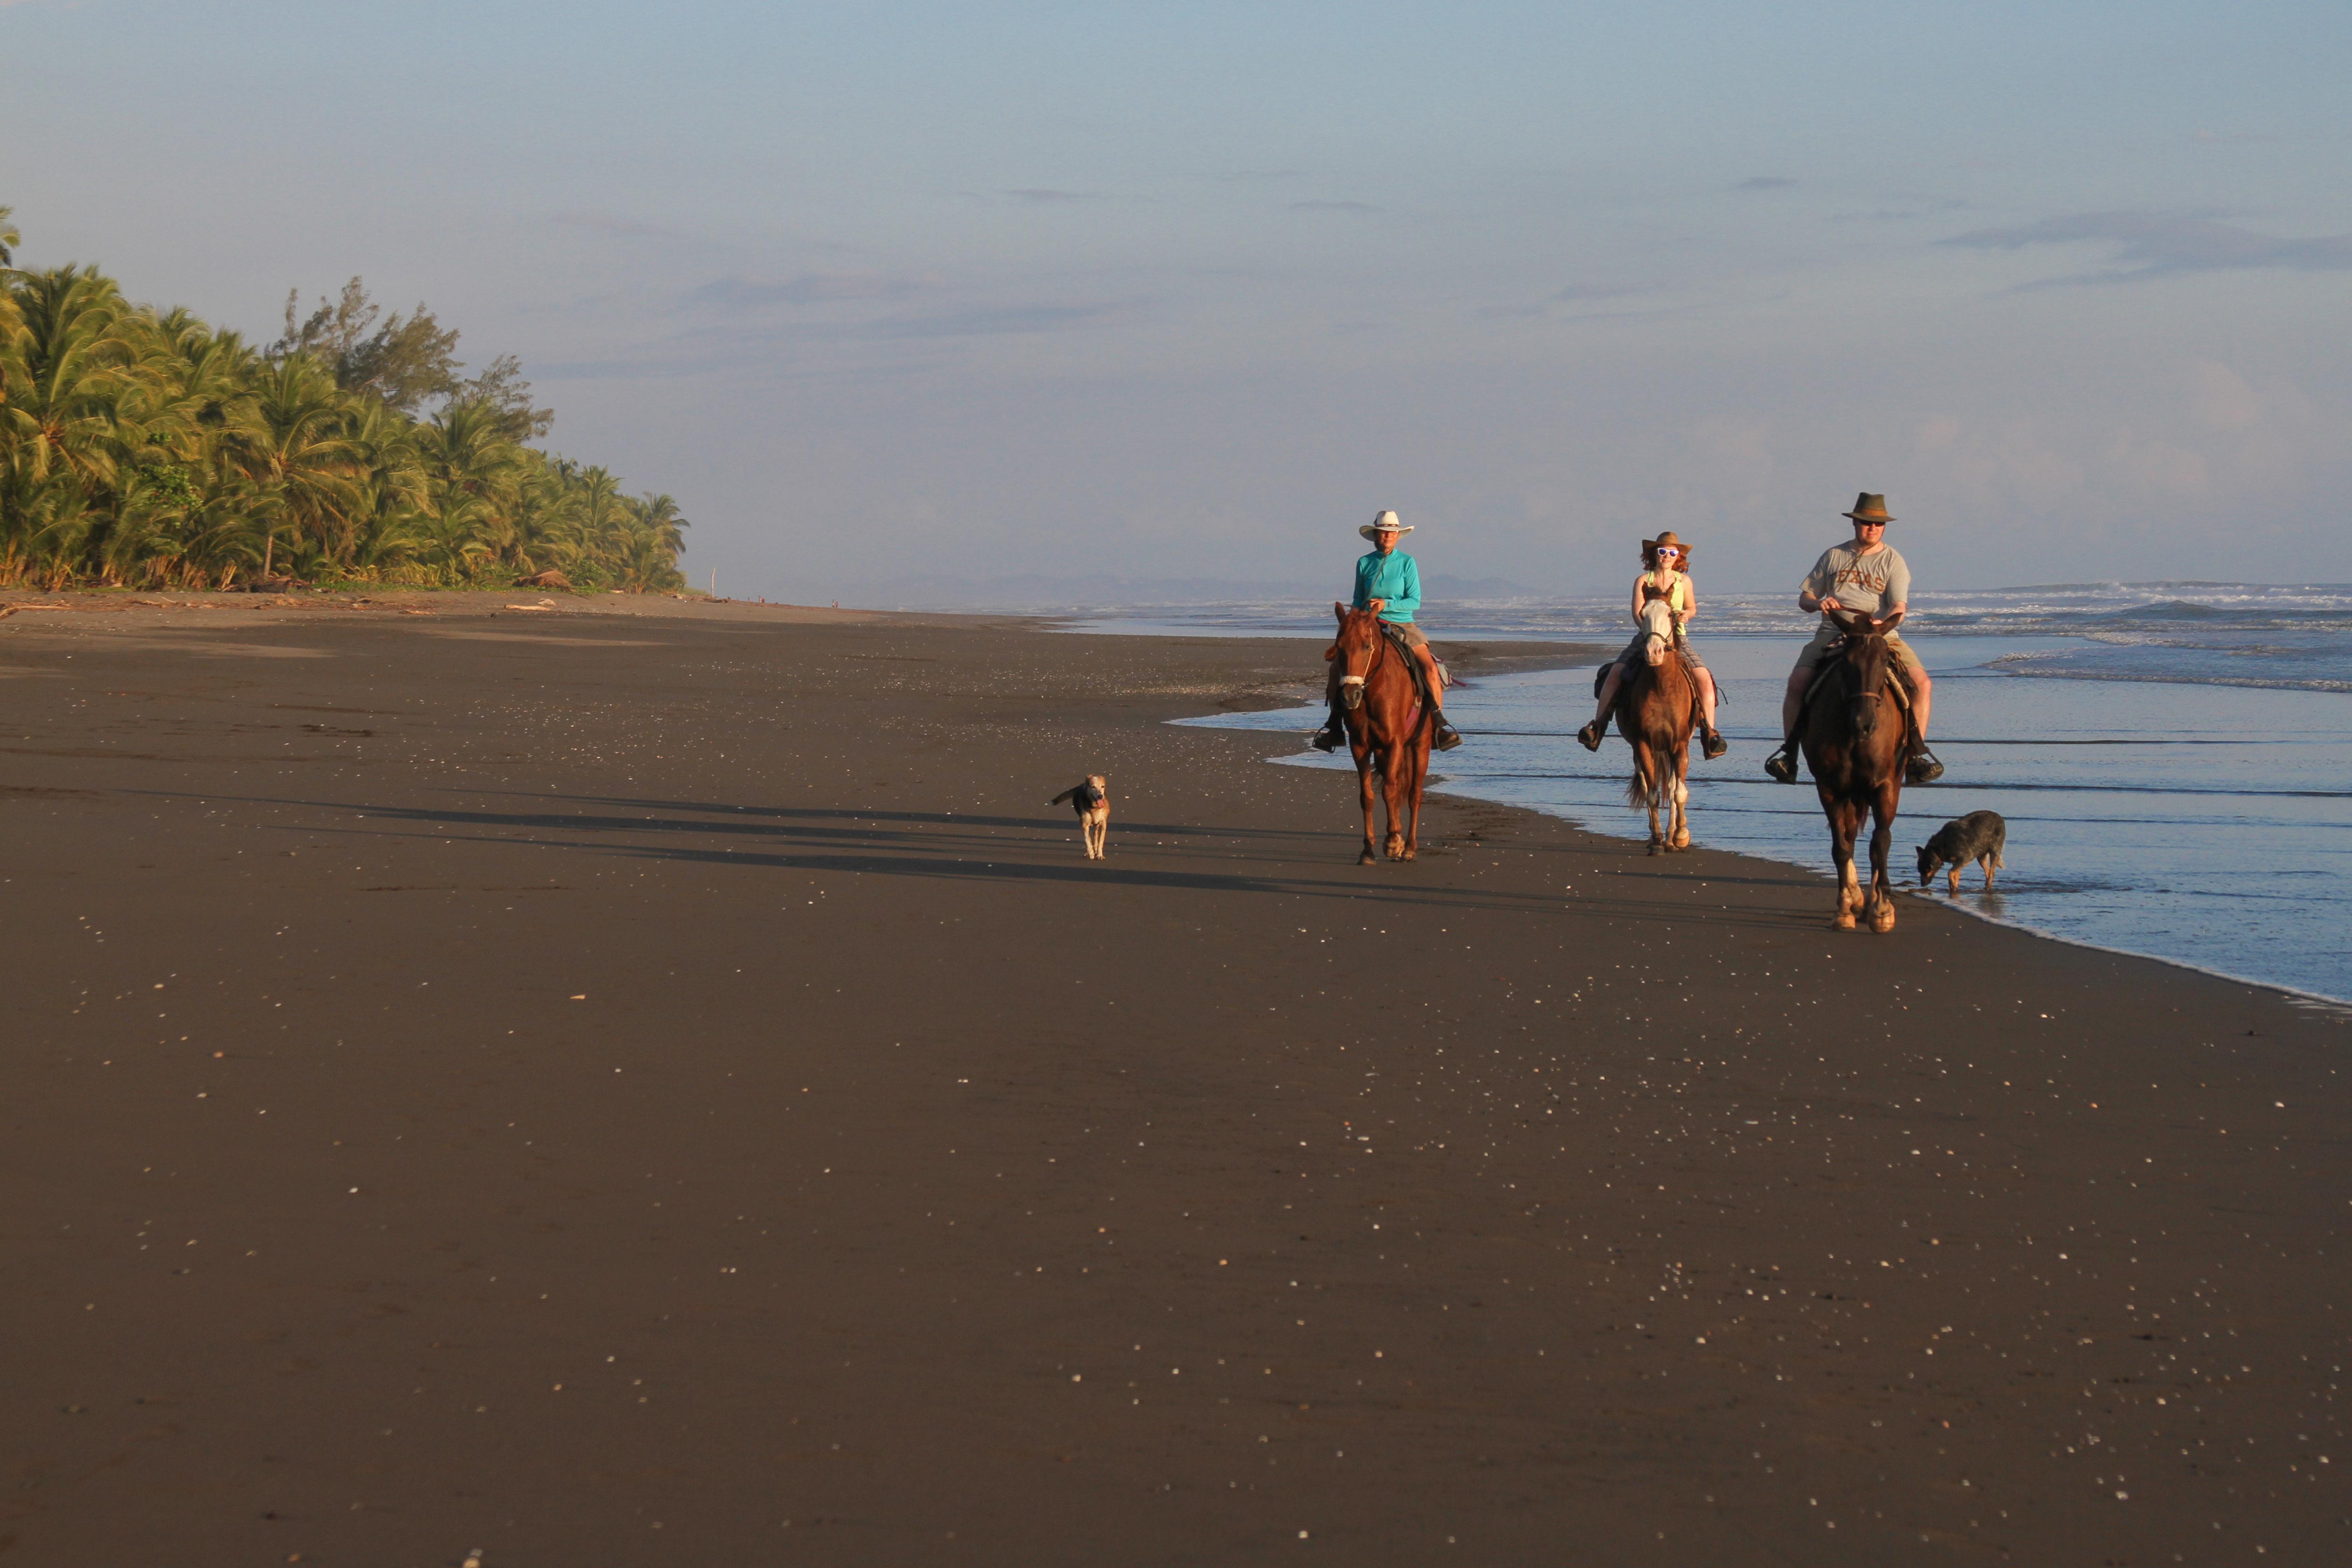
[{"x": 146, "y": 449}]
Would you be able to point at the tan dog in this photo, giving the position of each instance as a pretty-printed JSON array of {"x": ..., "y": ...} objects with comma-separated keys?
[{"x": 1091, "y": 801}]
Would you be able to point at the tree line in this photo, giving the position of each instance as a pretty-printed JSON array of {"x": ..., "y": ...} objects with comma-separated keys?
[{"x": 144, "y": 449}]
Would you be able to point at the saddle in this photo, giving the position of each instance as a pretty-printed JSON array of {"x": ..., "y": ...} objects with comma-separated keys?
[
  {"x": 1412, "y": 666},
  {"x": 1896, "y": 681}
]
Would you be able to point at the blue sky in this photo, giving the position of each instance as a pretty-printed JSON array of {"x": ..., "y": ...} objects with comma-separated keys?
[{"x": 971, "y": 291}]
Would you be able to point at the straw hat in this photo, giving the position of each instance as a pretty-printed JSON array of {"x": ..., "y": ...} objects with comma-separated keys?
[
  {"x": 1868, "y": 507},
  {"x": 1650, "y": 548},
  {"x": 1385, "y": 523}
]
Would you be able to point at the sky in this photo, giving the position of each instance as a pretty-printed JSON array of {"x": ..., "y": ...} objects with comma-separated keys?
[{"x": 908, "y": 300}]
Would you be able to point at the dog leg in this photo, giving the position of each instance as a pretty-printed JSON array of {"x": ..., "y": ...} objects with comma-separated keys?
[{"x": 1952, "y": 880}]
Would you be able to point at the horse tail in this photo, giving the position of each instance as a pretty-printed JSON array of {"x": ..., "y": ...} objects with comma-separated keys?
[{"x": 1655, "y": 788}]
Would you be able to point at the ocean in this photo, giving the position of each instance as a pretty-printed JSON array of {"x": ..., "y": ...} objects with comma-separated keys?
[{"x": 2174, "y": 759}]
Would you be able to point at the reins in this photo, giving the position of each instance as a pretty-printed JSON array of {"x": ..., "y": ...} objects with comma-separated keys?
[{"x": 1379, "y": 656}]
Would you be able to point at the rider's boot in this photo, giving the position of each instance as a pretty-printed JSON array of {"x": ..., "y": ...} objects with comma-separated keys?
[
  {"x": 1448, "y": 737},
  {"x": 1782, "y": 766},
  {"x": 1924, "y": 768},
  {"x": 1332, "y": 735},
  {"x": 1712, "y": 742},
  {"x": 1589, "y": 736}
]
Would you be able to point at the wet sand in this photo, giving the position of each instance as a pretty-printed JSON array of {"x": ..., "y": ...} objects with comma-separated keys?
[{"x": 650, "y": 1083}]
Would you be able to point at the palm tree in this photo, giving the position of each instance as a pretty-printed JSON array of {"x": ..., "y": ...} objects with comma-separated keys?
[
  {"x": 298, "y": 451},
  {"x": 656, "y": 536},
  {"x": 69, "y": 369},
  {"x": 140, "y": 446},
  {"x": 470, "y": 471}
]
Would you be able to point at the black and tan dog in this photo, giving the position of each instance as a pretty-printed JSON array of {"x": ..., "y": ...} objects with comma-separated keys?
[
  {"x": 1978, "y": 837},
  {"x": 1091, "y": 801}
]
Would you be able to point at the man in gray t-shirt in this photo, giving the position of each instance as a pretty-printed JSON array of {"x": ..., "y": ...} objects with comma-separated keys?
[{"x": 1865, "y": 576}]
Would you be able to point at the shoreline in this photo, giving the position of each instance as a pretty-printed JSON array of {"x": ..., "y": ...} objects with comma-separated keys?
[
  {"x": 537, "y": 1084},
  {"x": 1903, "y": 888}
]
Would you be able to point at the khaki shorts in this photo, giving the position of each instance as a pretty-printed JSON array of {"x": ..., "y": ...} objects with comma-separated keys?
[
  {"x": 1407, "y": 630},
  {"x": 1825, "y": 634}
]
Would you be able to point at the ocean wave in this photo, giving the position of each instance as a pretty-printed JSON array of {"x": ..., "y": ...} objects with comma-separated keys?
[{"x": 2279, "y": 637}]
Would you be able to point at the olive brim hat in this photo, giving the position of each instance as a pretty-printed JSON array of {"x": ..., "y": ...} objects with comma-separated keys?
[{"x": 1868, "y": 507}]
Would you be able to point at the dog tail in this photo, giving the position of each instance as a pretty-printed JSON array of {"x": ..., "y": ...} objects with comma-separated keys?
[{"x": 1066, "y": 795}]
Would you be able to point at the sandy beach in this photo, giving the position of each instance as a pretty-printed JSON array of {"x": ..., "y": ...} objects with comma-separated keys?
[{"x": 639, "y": 1081}]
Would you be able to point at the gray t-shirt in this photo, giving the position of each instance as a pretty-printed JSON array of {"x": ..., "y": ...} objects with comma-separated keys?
[{"x": 1870, "y": 584}]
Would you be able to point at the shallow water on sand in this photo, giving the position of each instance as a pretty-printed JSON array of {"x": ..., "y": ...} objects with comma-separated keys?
[{"x": 2209, "y": 825}]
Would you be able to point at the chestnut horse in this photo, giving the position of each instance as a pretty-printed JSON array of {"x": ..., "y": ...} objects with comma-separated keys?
[
  {"x": 1654, "y": 712},
  {"x": 1855, "y": 731},
  {"x": 1389, "y": 726}
]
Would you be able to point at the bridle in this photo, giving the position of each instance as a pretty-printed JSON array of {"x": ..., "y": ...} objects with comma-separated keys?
[
  {"x": 1351, "y": 687},
  {"x": 1861, "y": 695}
]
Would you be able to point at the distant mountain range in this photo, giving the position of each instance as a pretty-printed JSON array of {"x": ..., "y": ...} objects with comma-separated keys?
[{"x": 1037, "y": 592}]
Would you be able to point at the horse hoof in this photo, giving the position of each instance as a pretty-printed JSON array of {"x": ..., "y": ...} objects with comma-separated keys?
[
  {"x": 1366, "y": 858},
  {"x": 1411, "y": 855},
  {"x": 1843, "y": 921},
  {"x": 1884, "y": 920},
  {"x": 1682, "y": 840},
  {"x": 1657, "y": 847}
]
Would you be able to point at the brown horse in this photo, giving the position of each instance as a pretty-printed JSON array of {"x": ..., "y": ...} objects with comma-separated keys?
[
  {"x": 1389, "y": 726},
  {"x": 1654, "y": 712},
  {"x": 1855, "y": 731}
]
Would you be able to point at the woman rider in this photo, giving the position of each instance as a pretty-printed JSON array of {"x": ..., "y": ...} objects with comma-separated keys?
[
  {"x": 1389, "y": 584},
  {"x": 1666, "y": 574}
]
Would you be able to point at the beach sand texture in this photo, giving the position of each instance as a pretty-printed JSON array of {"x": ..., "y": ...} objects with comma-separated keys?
[{"x": 659, "y": 1085}]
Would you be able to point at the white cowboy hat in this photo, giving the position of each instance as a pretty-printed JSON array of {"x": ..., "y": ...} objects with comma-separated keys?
[{"x": 1385, "y": 523}]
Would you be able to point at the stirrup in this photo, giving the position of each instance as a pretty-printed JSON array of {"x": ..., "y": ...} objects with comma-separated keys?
[
  {"x": 1448, "y": 737},
  {"x": 1924, "y": 768},
  {"x": 1781, "y": 766},
  {"x": 1326, "y": 739},
  {"x": 1712, "y": 743},
  {"x": 1591, "y": 735}
]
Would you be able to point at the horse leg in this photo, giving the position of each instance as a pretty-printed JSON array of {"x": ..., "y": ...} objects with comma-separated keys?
[
  {"x": 1417, "y": 766},
  {"x": 1681, "y": 839},
  {"x": 1392, "y": 793},
  {"x": 1364, "y": 790},
  {"x": 1644, "y": 788},
  {"x": 1881, "y": 885},
  {"x": 1844, "y": 821}
]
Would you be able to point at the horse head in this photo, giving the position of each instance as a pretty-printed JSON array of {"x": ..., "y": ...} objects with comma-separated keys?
[
  {"x": 1356, "y": 650},
  {"x": 1658, "y": 632},
  {"x": 1865, "y": 659}
]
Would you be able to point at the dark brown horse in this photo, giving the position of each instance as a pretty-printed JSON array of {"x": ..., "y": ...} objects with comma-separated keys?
[
  {"x": 1654, "y": 712},
  {"x": 1389, "y": 726},
  {"x": 1855, "y": 731}
]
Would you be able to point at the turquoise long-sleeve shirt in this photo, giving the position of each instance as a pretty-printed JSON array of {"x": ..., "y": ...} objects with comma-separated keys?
[{"x": 1392, "y": 577}]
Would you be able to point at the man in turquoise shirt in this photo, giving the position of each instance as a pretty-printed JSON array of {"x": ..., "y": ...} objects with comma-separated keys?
[{"x": 1388, "y": 582}]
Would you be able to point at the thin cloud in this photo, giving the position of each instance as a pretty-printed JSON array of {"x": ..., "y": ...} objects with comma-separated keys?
[
  {"x": 994, "y": 321},
  {"x": 1764, "y": 183},
  {"x": 1333, "y": 207},
  {"x": 809, "y": 289},
  {"x": 1038, "y": 196},
  {"x": 1567, "y": 304},
  {"x": 600, "y": 223},
  {"x": 2155, "y": 244},
  {"x": 1254, "y": 176},
  {"x": 1899, "y": 214}
]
